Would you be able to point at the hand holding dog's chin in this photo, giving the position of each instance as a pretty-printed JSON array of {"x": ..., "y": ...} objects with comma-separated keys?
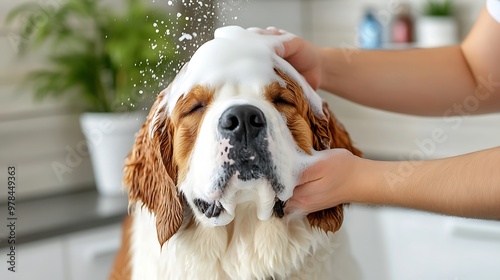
[{"x": 328, "y": 183}]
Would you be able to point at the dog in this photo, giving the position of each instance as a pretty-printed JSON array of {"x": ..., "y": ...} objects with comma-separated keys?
[{"x": 215, "y": 162}]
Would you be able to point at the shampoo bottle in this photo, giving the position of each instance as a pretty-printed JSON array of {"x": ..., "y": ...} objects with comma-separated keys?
[
  {"x": 370, "y": 31},
  {"x": 402, "y": 28}
]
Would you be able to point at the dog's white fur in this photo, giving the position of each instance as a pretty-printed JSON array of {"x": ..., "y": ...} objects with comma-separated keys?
[{"x": 247, "y": 249}]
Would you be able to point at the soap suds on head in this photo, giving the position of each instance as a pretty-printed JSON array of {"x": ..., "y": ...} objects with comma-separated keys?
[{"x": 238, "y": 56}]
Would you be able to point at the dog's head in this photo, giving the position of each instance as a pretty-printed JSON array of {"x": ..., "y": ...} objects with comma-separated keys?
[{"x": 237, "y": 124}]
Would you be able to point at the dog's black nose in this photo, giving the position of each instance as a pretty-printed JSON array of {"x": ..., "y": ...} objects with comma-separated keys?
[{"x": 242, "y": 122}]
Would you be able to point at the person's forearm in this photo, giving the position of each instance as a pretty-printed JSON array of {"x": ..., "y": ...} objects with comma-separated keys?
[
  {"x": 467, "y": 185},
  {"x": 459, "y": 80},
  {"x": 420, "y": 81}
]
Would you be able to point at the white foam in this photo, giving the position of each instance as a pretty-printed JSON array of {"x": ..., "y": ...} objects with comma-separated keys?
[
  {"x": 238, "y": 56},
  {"x": 185, "y": 36}
]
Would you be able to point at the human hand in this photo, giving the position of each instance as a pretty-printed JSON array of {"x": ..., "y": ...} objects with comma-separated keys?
[
  {"x": 304, "y": 56},
  {"x": 327, "y": 183}
]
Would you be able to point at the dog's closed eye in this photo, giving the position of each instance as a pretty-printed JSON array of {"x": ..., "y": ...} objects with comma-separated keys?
[
  {"x": 282, "y": 99},
  {"x": 195, "y": 108}
]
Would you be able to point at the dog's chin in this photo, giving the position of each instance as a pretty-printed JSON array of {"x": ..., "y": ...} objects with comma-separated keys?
[{"x": 259, "y": 194}]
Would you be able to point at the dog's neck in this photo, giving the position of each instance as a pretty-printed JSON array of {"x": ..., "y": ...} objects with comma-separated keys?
[{"x": 247, "y": 248}]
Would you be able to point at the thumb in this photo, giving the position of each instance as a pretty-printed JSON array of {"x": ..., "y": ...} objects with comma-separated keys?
[
  {"x": 291, "y": 47},
  {"x": 268, "y": 31}
]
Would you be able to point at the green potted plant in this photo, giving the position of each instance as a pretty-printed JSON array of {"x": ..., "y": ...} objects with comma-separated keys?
[
  {"x": 437, "y": 27},
  {"x": 438, "y": 8},
  {"x": 104, "y": 60}
]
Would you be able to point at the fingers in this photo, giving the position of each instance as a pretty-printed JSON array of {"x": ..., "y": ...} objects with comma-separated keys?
[
  {"x": 293, "y": 207},
  {"x": 315, "y": 171},
  {"x": 309, "y": 175},
  {"x": 292, "y": 47},
  {"x": 271, "y": 30},
  {"x": 305, "y": 198},
  {"x": 294, "y": 204},
  {"x": 320, "y": 185}
]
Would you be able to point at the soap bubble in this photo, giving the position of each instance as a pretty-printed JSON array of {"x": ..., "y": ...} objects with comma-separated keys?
[{"x": 189, "y": 24}]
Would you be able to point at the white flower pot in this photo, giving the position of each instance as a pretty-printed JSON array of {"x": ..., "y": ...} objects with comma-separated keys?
[
  {"x": 436, "y": 31},
  {"x": 110, "y": 137}
]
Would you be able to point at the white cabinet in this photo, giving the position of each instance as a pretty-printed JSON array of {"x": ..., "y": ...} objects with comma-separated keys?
[
  {"x": 79, "y": 256},
  {"x": 393, "y": 243},
  {"x": 91, "y": 253}
]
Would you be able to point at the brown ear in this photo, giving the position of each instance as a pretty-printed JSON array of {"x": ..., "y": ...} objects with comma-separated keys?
[
  {"x": 150, "y": 173},
  {"x": 329, "y": 134}
]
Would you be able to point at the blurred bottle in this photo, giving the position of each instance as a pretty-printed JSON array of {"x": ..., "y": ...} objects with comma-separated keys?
[
  {"x": 402, "y": 27},
  {"x": 370, "y": 31}
]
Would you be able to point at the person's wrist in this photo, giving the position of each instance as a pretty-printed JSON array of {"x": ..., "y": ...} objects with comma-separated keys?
[
  {"x": 350, "y": 172},
  {"x": 352, "y": 184},
  {"x": 323, "y": 63},
  {"x": 327, "y": 66},
  {"x": 366, "y": 182}
]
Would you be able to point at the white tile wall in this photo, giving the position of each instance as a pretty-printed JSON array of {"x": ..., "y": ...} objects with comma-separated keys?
[{"x": 285, "y": 14}]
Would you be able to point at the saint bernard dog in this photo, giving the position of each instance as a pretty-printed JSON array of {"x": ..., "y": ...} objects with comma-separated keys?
[{"x": 215, "y": 162}]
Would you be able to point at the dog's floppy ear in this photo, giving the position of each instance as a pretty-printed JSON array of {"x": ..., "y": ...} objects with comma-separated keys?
[
  {"x": 150, "y": 173},
  {"x": 328, "y": 133}
]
